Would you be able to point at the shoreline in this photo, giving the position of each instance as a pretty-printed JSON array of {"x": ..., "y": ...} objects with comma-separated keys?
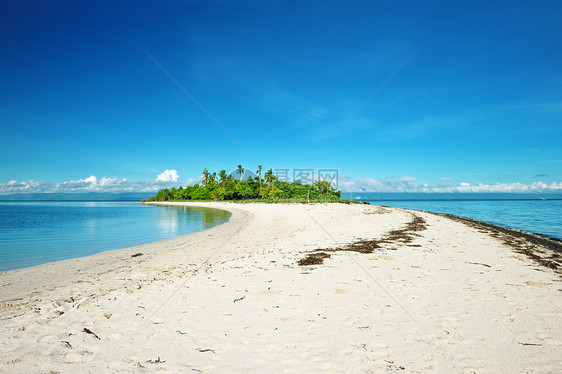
[
  {"x": 542, "y": 239},
  {"x": 102, "y": 261},
  {"x": 513, "y": 237},
  {"x": 552, "y": 243},
  {"x": 521, "y": 241},
  {"x": 515, "y": 231},
  {"x": 422, "y": 292},
  {"x": 77, "y": 238},
  {"x": 512, "y": 213}
]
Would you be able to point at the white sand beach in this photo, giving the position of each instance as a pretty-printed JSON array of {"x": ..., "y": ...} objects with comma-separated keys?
[{"x": 435, "y": 296}]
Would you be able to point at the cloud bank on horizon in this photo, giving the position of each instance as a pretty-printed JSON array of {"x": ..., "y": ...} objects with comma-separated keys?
[
  {"x": 166, "y": 179},
  {"x": 169, "y": 178},
  {"x": 409, "y": 184}
]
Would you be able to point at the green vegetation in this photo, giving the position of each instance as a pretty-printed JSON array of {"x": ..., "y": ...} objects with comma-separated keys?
[{"x": 234, "y": 186}]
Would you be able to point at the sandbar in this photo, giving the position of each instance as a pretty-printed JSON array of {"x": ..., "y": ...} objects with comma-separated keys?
[{"x": 396, "y": 290}]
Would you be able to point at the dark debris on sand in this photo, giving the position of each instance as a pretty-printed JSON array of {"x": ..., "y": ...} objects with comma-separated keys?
[
  {"x": 401, "y": 236},
  {"x": 315, "y": 258}
]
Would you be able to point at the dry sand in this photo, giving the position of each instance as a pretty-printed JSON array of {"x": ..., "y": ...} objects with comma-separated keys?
[{"x": 436, "y": 296}]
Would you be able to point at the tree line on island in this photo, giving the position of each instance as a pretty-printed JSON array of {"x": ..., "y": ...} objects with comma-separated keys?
[{"x": 243, "y": 184}]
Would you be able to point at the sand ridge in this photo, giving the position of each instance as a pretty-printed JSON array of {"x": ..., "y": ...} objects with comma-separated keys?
[{"x": 443, "y": 298}]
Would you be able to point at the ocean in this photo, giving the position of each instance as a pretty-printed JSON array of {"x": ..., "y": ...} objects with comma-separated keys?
[
  {"x": 539, "y": 214},
  {"x": 33, "y": 233}
]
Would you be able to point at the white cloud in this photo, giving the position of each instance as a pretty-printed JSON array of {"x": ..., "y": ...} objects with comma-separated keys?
[
  {"x": 408, "y": 184},
  {"x": 168, "y": 176},
  {"x": 92, "y": 184},
  {"x": 14, "y": 186},
  {"x": 391, "y": 184},
  {"x": 504, "y": 187},
  {"x": 167, "y": 179},
  {"x": 407, "y": 179}
]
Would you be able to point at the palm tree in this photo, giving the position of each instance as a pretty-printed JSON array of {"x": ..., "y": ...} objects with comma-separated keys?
[
  {"x": 212, "y": 178},
  {"x": 205, "y": 176},
  {"x": 240, "y": 171},
  {"x": 258, "y": 172},
  {"x": 269, "y": 177},
  {"x": 324, "y": 187},
  {"x": 222, "y": 176}
]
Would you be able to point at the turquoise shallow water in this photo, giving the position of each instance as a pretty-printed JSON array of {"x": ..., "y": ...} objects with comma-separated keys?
[
  {"x": 528, "y": 212},
  {"x": 33, "y": 233}
]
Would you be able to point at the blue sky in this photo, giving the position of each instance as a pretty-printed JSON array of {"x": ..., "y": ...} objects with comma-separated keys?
[{"x": 432, "y": 96}]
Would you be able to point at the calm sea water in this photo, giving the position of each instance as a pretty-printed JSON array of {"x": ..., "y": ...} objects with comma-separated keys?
[
  {"x": 33, "y": 233},
  {"x": 528, "y": 212}
]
